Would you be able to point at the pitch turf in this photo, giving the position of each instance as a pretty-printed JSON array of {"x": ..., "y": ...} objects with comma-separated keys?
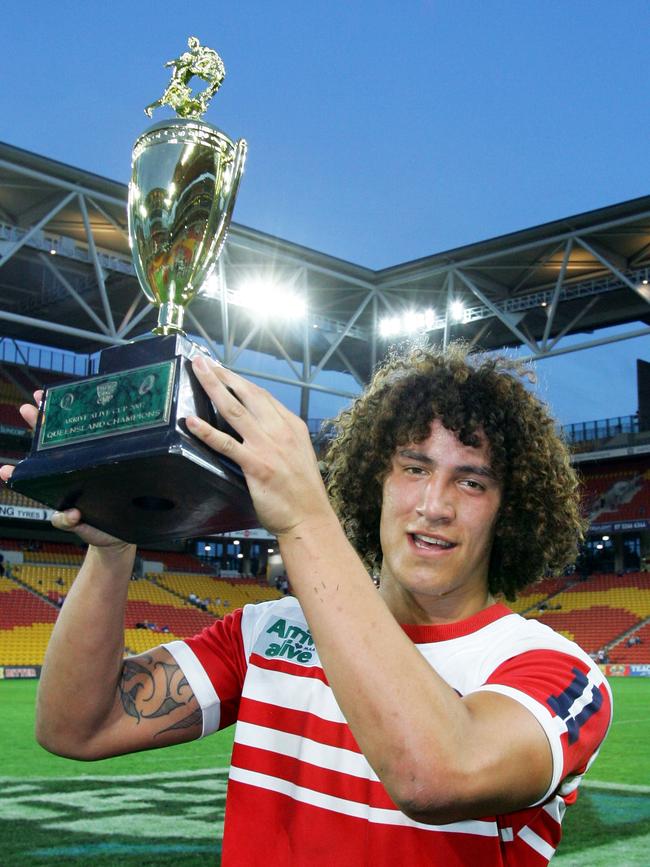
[{"x": 165, "y": 807}]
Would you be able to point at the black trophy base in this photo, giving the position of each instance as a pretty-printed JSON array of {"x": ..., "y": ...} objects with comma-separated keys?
[{"x": 144, "y": 484}]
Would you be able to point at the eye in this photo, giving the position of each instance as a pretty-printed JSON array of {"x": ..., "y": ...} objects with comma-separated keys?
[
  {"x": 472, "y": 484},
  {"x": 414, "y": 470}
]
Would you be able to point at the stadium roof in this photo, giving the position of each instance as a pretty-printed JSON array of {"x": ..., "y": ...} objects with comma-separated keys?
[{"x": 66, "y": 280}]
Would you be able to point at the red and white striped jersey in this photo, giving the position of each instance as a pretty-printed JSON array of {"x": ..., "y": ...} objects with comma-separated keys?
[{"x": 299, "y": 786}]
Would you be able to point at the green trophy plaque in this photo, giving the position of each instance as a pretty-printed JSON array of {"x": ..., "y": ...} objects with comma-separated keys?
[{"x": 116, "y": 445}]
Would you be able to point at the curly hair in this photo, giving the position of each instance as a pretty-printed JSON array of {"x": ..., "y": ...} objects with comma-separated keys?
[{"x": 539, "y": 525}]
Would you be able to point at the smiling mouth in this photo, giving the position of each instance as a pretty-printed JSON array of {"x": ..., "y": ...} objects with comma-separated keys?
[{"x": 430, "y": 543}]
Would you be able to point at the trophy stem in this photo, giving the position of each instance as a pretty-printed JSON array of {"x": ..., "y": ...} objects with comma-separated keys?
[{"x": 170, "y": 319}]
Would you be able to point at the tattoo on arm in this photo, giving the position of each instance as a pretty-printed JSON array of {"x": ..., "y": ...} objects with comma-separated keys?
[{"x": 146, "y": 696}]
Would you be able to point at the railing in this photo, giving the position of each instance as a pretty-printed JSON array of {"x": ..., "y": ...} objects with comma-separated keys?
[
  {"x": 46, "y": 358},
  {"x": 602, "y": 429}
]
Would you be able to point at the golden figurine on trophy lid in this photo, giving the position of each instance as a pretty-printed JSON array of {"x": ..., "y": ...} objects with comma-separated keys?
[
  {"x": 116, "y": 445},
  {"x": 184, "y": 181}
]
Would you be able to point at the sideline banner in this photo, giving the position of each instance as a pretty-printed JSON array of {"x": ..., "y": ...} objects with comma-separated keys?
[
  {"x": 19, "y": 672},
  {"x": 640, "y": 670},
  {"x": 615, "y": 669},
  {"x": 25, "y": 513}
]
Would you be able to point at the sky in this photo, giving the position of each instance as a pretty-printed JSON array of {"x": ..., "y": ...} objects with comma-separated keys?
[{"x": 378, "y": 132}]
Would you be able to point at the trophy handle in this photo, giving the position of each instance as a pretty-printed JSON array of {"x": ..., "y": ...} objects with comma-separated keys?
[{"x": 239, "y": 160}]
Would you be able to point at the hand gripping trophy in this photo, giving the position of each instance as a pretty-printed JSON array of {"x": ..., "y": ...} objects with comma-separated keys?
[{"x": 116, "y": 445}]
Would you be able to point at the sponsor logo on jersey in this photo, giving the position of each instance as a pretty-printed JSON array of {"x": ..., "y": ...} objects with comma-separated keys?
[{"x": 287, "y": 639}]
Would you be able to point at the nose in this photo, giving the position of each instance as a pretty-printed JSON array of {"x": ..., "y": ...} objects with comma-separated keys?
[{"x": 436, "y": 502}]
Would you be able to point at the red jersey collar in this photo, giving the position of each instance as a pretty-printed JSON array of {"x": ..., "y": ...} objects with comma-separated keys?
[{"x": 444, "y": 631}]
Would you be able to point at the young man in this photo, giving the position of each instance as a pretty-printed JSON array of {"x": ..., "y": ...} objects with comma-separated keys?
[{"x": 423, "y": 723}]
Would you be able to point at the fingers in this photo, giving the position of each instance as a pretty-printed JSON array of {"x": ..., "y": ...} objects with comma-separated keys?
[
  {"x": 218, "y": 440},
  {"x": 67, "y": 520},
  {"x": 239, "y": 400},
  {"x": 30, "y": 412},
  {"x": 6, "y": 472}
]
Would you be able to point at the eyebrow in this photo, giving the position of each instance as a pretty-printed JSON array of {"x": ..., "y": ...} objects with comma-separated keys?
[{"x": 471, "y": 469}]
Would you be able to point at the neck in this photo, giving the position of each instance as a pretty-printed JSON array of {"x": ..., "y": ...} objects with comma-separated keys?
[{"x": 428, "y": 609}]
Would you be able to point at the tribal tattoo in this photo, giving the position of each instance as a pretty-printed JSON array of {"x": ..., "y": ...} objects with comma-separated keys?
[{"x": 152, "y": 689}]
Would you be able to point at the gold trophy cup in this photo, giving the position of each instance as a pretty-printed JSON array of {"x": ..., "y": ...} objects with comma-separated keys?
[{"x": 116, "y": 445}]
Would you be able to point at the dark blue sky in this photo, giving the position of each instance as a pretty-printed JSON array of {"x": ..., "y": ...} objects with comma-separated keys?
[{"x": 378, "y": 131}]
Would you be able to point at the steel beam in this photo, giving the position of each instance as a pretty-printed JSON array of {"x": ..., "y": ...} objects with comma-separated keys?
[
  {"x": 556, "y": 293},
  {"x": 78, "y": 189},
  {"x": 591, "y": 303},
  {"x": 36, "y": 228},
  {"x": 341, "y": 337},
  {"x": 51, "y": 267},
  {"x": 589, "y": 344},
  {"x": 45, "y": 325},
  {"x": 611, "y": 267},
  {"x": 495, "y": 310},
  {"x": 99, "y": 273},
  {"x": 271, "y": 377},
  {"x": 214, "y": 347}
]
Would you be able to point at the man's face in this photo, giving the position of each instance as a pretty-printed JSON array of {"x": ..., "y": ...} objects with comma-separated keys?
[{"x": 439, "y": 509}]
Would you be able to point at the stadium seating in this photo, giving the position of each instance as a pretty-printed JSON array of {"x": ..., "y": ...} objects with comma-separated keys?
[
  {"x": 596, "y": 612},
  {"x": 622, "y": 653},
  {"x": 177, "y": 561},
  {"x": 26, "y": 620},
  {"x": 538, "y": 593},
  {"x": 25, "y": 625},
  {"x": 235, "y": 595}
]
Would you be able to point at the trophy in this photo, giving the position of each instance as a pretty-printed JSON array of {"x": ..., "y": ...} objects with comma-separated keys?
[{"x": 116, "y": 445}]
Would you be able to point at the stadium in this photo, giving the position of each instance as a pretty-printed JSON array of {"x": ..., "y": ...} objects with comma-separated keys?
[{"x": 69, "y": 291}]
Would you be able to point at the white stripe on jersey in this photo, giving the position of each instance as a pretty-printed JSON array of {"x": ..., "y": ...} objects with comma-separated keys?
[
  {"x": 556, "y": 809},
  {"x": 545, "y": 719},
  {"x": 200, "y": 684},
  {"x": 305, "y": 749},
  {"x": 536, "y": 843},
  {"x": 355, "y": 809},
  {"x": 293, "y": 692}
]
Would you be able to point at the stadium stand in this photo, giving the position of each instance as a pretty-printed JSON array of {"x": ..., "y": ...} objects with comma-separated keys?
[
  {"x": 157, "y": 604},
  {"x": 219, "y": 595},
  {"x": 540, "y": 592},
  {"x": 597, "y": 612},
  {"x": 622, "y": 652},
  {"x": 25, "y": 625}
]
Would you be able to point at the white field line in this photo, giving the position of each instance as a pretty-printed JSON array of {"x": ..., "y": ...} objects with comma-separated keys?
[
  {"x": 616, "y": 787},
  {"x": 98, "y": 778}
]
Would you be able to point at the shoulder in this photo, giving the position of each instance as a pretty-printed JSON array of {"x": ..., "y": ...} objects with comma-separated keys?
[
  {"x": 275, "y": 615},
  {"x": 471, "y": 659}
]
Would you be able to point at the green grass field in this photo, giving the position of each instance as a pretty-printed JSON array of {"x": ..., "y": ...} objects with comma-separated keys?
[{"x": 166, "y": 807}]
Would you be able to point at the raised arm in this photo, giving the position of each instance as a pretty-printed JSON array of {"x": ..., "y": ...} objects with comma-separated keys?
[{"x": 92, "y": 703}]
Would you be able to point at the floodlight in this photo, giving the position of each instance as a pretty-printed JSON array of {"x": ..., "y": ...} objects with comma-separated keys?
[
  {"x": 389, "y": 325},
  {"x": 412, "y": 321},
  {"x": 265, "y": 297},
  {"x": 457, "y": 310},
  {"x": 212, "y": 286}
]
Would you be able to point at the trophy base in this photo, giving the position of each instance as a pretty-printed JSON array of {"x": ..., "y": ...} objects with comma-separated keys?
[{"x": 116, "y": 447}]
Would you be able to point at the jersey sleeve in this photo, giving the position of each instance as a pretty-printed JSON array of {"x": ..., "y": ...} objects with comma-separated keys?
[
  {"x": 569, "y": 698},
  {"x": 214, "y": 665}
]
